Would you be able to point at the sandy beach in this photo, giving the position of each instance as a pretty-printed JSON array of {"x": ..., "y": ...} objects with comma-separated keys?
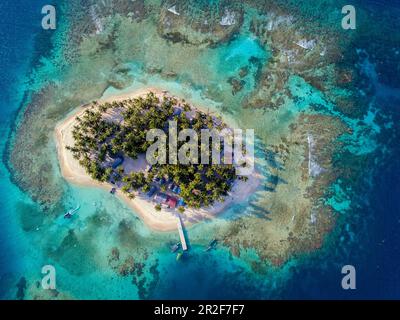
[{"x": 164, "y": 220}]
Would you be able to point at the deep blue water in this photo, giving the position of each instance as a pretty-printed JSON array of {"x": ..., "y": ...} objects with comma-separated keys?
[
  {"x": 378, "y": 266},
  {"x": 376, "y": 255},
  {"x": 19, "y": 24}
]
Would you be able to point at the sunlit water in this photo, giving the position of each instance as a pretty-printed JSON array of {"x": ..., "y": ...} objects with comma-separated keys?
[{"x": 30, "y": 240}]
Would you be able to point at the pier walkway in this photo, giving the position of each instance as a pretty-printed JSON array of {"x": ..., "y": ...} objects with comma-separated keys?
[{"x": 182, "y": 234}]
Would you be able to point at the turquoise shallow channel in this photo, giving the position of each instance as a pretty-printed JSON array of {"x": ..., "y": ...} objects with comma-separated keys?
[{"x": 324, "y": 105}]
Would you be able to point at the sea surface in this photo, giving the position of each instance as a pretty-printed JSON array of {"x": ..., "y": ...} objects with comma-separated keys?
[{"x": 366, "y": 236}]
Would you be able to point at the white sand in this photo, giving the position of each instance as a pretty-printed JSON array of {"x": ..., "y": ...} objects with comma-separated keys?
[{"x": 164, "y": 220}]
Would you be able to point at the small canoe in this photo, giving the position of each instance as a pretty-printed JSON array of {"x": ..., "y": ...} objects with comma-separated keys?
[
  {"x": 71, "y": 212},
  {"x": 175, "y": 247},
  {"x": 212, "y": 244},
  {"x": 179, "y": 256}
]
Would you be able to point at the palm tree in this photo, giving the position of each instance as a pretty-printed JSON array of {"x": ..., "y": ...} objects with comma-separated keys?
[{"x": 181, "y": 209}]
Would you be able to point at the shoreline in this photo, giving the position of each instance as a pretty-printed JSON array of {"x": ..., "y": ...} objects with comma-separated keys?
[{"x": 164, "y": 220}]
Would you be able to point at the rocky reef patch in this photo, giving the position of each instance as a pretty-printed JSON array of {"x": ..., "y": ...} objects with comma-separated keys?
[{"x": 200, "y": 23}]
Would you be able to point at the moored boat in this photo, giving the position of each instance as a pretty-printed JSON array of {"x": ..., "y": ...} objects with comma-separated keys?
[
  {"x": 212, "y": 244},
  {"x": 179, "y": 256},
  {"x": 175, "y": 247},
  {"x": 71, "y": 212}
]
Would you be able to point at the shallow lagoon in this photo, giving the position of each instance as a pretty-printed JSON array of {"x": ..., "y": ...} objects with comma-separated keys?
[{"x": 32, "y": 239}]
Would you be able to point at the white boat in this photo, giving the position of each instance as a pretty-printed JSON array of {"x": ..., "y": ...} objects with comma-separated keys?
[{"x": 71, "y": 212}]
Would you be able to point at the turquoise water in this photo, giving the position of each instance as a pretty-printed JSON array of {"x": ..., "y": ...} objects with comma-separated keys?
[{"x": 80, "y": 249}]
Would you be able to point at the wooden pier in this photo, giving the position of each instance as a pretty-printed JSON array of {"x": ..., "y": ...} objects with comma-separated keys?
[{"x": 182, "y": 234}]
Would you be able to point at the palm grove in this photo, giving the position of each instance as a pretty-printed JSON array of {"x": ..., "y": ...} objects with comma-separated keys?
[{"x": 118, "y": 129}]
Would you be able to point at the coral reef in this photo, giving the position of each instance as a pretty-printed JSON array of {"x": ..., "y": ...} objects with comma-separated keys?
[
  {"x": 200, "y": 22},
  {"x": 115, "y": 44}
]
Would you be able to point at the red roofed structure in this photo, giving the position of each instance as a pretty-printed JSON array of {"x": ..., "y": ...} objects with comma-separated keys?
[{"x": 172, "y": 202}]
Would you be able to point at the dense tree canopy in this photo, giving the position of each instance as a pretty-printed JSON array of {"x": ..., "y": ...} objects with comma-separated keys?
[{"x": 118, "y": 129}]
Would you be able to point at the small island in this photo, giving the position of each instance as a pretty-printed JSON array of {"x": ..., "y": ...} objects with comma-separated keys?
[{"x": 105, "y": 143}]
